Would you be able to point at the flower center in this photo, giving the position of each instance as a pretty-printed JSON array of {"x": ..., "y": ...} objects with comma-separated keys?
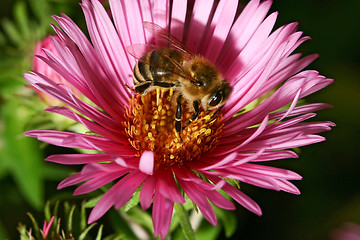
[{"x": 150, "y": 125}]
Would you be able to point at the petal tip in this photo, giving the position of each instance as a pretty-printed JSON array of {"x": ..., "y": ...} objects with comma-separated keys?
[{"x": 146, "y": 163}]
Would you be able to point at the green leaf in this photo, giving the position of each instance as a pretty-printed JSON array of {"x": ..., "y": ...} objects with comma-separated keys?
[
  {"x": 12, "y": 32},
  {"x": 83, "y": 216},
  {"x": 55, "y": 172},
  {"x": 3, "y": 233},
  {"x": 70, "y": 219},
  {"x": 92, "y": 202},
  {"x": 208, "y": 231},
  {"x": 35, "y": 227},
  {"x": 3, "y": 164},
  {"x": 132, "y": 202},
  {"x": 2, "y": 39},
  {"x": 120, "y": 224},
  {"x": 41, "y": 9},
  {"x": 141, "y": 217},
  {"x": 47, "y": 211},
  {"x": 184, "y": 222},
  {"x": 228, "y": 220},
  {"x": 99, "y": 233},
  {"x": 55, "y": 213},
  {"x": 22, "y": 19},
  {"x": 23, "y": 232},
  {"x": 85, "y": 232},
  {"x": 115, "y": 237},
  {"x": 22, "y": 154}
]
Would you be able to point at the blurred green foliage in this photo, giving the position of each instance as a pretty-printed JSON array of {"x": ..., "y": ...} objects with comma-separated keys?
[{"x": 22, "y": 169}]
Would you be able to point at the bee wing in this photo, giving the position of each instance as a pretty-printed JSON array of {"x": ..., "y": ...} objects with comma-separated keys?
[
  {"x": 163, "y": 38},
  {"x": 138, "y": 51}
]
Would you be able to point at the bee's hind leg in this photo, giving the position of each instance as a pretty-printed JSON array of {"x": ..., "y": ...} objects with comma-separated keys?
[{"x": 142, "y": 87}]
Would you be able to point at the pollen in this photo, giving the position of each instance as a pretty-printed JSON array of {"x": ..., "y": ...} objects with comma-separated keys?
[{"x": 150, "y": 125}]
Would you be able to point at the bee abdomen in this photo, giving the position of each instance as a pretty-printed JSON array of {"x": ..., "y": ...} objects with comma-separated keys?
[
  {"x": 142, "y": 71},
  {"x": 154, "y": 67}
]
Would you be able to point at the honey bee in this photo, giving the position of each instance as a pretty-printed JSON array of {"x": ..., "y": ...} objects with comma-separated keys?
[{"x": 169, "y": 64}]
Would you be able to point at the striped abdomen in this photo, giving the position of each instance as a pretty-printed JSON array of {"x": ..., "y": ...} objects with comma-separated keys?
[{"x": 157, "y": 66}]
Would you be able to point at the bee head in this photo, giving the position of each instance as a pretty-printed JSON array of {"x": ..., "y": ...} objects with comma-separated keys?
[{"x": 219, "y": 95}]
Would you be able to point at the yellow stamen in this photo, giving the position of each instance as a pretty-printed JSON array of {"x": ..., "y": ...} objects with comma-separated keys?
[{"x": 150, "y": 125}]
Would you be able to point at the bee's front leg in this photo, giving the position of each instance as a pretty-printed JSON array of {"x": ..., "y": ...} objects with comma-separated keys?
[
  {"x": 195, "y": 114},
  {"x": 178, "y": 116},
  {"x": 215, "y": 115}
]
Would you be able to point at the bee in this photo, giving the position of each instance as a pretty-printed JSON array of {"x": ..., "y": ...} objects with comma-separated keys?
[{"x": 169, "y": 64}]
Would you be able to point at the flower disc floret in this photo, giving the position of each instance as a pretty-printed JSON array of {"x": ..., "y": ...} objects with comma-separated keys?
[{"x": 149, "y": 126}]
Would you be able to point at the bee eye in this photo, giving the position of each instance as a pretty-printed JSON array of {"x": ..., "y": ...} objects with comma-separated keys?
[{"x": 216, "y": 98}]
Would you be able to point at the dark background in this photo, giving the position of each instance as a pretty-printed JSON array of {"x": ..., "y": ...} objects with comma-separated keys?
[
  {"x": 330, "y": 186},
  {"x": 330, "y": 192}
]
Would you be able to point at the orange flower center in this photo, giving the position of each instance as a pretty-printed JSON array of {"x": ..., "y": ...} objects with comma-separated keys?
[{"x": 150, "y": 125}]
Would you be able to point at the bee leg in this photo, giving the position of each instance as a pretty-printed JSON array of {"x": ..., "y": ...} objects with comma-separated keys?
[
  {"x": 215, "y": 115},
  {"x": 130, "y": 88},
  {"x": 178, "y": 116},
  {"x": 195, "y": 114},
  {"x": 163, "y": 84},
  {"x": 142, "y": 87}
]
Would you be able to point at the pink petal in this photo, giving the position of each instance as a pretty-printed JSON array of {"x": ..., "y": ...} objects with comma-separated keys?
[
  {"x": 70, "y": 159},
  {"x": 167, "y": 186},
  {"x": 302, "y": 109},
  {"x": 287, "y": 186},
  {"x": 219, "y": 28},
  {"x": 219, "y": 200},
  {"x": 249, "y": 177},
  {"x": 178, "y": 15},
  {"x": 241, "y": 161},
  {"x": 242, "y": 199},
  {"x": 146, "y": 163},
  {"x": 242, "y": 30},
  {"x": 74, "y": 179},
  {"x": 162, "y": 214},
  {"x": 254, "y": 135},
  {"x": 160, "y": 13},
  {"x": 104, "y": 131},
  {"x": 147, "y": 192},
  {"x": 308, "y": 81},
  {"x": 104, "y": 204},
  {"x": 206, "y": 165},
  {"x": 198, "y": 21},
  {"x": 129, "y": 185},
  {"x": 298, "y": 141},
  {"x": 197, "y": 195},
  {"x": 98, "y": 181},
  {"x": 256, "y": 77},
  {"x": 117, "y": 195},
  {"x": 46, "y": 85},
  {"x": 270, "y": 156},
  {"x": 270, "y": 171}
]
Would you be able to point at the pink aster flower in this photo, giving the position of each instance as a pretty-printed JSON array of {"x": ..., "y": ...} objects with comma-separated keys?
[
  {"x": 135, "y": 134},
  {"x": 39, "y": 66},
  {"x": 349, "y": 231}
]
